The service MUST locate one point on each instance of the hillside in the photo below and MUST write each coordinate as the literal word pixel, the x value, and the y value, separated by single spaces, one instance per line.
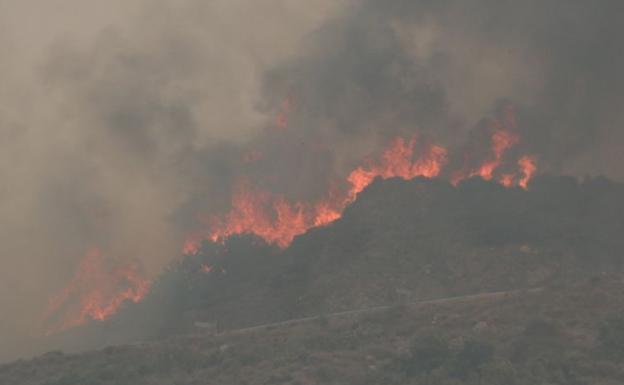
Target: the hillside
pixel 399 242
pixel 562 335
pixel 420 239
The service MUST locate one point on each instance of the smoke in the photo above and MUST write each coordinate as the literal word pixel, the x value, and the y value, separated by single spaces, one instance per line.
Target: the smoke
pixel 438 67
pixel 112 117
pixel 126 124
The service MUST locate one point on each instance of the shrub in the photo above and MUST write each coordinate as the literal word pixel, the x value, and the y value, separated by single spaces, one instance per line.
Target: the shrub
pixel 426 354
pixel 472 357
pixel 611 337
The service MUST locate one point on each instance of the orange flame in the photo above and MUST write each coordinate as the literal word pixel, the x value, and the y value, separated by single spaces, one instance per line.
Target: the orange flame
pixel 95 293
pixel 278 221
pixel 501 141
pixel 528 166
pixel 396 161
pixel 326 214
pixel 270 217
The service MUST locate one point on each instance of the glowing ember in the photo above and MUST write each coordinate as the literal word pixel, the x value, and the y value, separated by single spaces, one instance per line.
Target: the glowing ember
pixel 95 293
pixel 205 269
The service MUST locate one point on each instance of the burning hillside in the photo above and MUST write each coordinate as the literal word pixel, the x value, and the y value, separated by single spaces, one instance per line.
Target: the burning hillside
pixel 155 155
pixel 423 236
pixel 277 220
pixel 95 294
pixel 97 290
pixel 437 240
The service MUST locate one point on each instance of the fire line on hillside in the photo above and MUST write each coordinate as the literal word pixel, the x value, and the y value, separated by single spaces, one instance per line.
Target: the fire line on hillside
pixel 97 292
pixel 278 221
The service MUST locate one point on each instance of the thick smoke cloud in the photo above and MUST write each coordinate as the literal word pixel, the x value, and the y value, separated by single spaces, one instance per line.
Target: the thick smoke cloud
pixel 124 126
pixel 440 66
pixel 112 116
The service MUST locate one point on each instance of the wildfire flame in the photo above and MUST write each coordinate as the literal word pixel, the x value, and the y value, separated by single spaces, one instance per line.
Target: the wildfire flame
pixel 278 221
pixel 396 161
pixel 270 217
pixel 501 141
pixel 528 165
pixel 95 293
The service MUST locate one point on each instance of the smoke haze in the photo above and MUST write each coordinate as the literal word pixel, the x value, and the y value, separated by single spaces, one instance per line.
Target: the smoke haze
pixel 124 124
